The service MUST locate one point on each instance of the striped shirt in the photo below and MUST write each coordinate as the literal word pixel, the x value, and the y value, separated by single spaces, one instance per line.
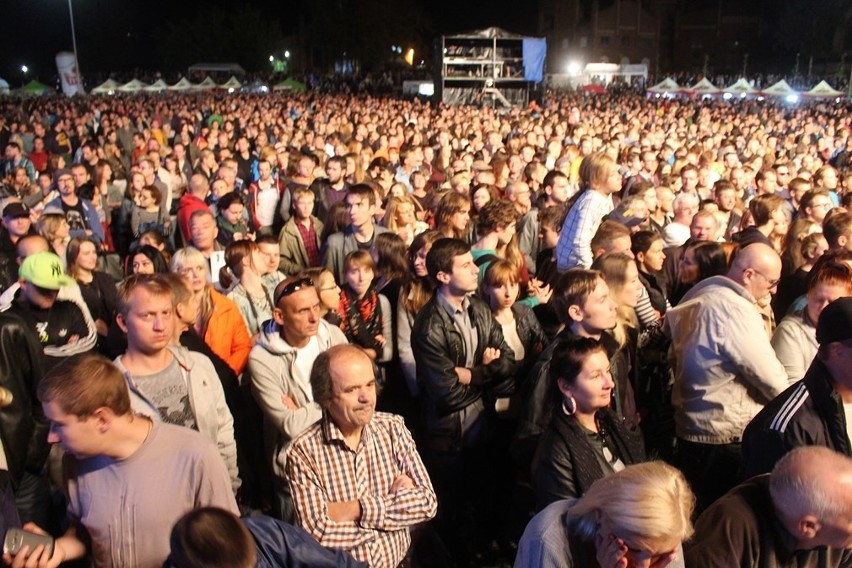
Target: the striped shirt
pixel 322 469
pixel 574 248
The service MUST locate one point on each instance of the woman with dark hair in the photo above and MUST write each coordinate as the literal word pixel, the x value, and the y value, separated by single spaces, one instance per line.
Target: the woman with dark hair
pixel 98 289
pixel 146 260
pixel 452 217
pixel 586 440
pixel 701 260
pixel 647 248
pixel 389 254
pixel 415 293
pixel 328 292
pixel 245 262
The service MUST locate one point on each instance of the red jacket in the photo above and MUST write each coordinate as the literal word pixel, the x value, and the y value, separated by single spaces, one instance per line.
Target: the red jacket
pixel 188 205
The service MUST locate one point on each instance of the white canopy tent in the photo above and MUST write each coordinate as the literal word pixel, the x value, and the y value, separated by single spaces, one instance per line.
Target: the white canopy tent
pixel 667 85
pixel 231 83
pixel 4 86
pixel 133 86
pixel 702 87
pixel 182 85
pixel 157 86
pixel 207 83
pixel 741 87
pixel 823 89
pixel 780 89
pixel 108 87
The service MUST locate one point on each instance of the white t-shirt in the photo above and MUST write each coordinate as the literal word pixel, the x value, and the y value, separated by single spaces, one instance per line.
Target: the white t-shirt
pixel 305 358
pixel 267 202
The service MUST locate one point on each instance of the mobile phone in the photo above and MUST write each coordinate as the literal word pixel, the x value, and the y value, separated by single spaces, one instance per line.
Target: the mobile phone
pixel 16 539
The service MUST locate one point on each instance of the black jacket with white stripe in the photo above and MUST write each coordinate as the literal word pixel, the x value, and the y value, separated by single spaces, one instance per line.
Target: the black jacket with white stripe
pixel 809 413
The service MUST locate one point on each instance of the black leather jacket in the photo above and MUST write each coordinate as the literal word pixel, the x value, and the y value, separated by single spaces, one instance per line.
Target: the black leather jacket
pixel 438 349
pixel 23 425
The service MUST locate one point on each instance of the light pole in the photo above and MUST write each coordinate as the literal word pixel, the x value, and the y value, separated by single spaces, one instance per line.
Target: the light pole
pixel 74 42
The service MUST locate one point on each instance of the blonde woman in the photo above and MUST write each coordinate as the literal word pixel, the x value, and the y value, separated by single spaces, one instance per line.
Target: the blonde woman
pixel 639 516
pixel 53 226
pixel 219 320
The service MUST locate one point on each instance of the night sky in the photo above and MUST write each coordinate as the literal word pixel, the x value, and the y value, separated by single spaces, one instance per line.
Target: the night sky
pixel 117 34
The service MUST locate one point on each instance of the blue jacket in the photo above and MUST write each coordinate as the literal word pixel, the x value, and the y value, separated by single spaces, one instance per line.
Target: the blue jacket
pixel 93 222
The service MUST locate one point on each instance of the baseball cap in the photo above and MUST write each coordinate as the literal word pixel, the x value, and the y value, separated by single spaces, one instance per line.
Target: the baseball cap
pixel 835 322
pixel 623 215
pixel 15 210
pixel 44 269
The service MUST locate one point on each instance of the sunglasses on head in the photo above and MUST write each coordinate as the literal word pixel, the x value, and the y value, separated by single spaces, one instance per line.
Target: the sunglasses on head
pixel 292 287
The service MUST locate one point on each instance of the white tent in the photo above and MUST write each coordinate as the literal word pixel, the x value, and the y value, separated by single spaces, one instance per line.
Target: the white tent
pixel 207 83
pixel 108 87
pixel 4 86
pixel 823 89
pixel 157 86
pixel 182 85
pixel 132 87
pixel 780 89
pixel 702 87
pixel 741 87
pixel 231 83
pixel 667 85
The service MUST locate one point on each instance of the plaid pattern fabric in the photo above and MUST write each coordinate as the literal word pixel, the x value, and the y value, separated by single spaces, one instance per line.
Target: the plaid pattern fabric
pixel 322 469
pixel 309 238
pixel 574 248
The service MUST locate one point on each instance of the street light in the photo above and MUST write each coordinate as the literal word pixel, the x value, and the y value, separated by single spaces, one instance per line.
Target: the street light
pixel 287 54
pixel 271 58
pixel 25 69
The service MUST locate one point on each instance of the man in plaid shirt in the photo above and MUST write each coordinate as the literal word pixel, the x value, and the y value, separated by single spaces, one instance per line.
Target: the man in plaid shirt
pixel 357 480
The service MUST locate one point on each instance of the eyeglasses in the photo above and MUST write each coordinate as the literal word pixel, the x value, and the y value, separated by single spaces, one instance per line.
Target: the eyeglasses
pixel 772 283
pixel 820 205
pixel 292 287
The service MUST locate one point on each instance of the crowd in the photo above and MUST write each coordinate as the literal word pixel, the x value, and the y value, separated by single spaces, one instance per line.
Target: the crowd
pixel 597 331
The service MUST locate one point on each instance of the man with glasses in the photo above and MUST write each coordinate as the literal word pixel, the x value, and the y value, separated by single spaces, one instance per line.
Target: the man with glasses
pixel 725 368
pixel 814 206
pixel 280 364
pixel 80 213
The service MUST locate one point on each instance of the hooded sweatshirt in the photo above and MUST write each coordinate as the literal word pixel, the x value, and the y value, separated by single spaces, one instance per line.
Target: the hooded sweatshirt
pixel 274 374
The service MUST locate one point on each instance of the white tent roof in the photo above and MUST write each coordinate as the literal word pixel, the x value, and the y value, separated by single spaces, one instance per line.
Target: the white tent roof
pixel 182 85
pixel 132 86
pixel 231 83
pixel 207 83
pixel 106 87
pixel 157 86
pixel 780 89
pixel 4 85
pixel 667 85
pixel 703 87
pixel 742 86
pixel 823 89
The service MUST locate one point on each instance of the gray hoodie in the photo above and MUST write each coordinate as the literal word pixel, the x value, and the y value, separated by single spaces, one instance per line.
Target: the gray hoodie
pixel 274 374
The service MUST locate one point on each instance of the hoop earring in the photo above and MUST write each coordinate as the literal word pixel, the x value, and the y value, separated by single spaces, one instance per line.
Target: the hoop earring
pixel 569 405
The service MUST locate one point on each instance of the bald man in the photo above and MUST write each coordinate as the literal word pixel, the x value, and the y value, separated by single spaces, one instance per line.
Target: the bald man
pixel 725 368
pixel 797 516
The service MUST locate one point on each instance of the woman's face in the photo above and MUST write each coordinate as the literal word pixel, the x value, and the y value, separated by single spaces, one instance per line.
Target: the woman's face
pixel 63 231
pixel 460 219
pixel 480 198
pixel 397 190
pixel 329 291
pixel 420 263
pixel 781 222
pixel 87 259
pixel 592 389
pixel 822 295
pixel 359 279
pixel 258 261
pixel 632 287
pixel 138 182
pixel 654 257
pixel 688 268
pixel 142 264
pixel 503 296
pixel 405 214
pixel 195 276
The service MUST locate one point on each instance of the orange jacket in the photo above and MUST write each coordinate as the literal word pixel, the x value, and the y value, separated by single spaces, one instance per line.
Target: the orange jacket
pixel 226 334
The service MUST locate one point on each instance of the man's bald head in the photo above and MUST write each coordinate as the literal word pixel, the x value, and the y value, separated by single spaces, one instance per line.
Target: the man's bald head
pixel 757 268
pixel 31 244
pixel 811 489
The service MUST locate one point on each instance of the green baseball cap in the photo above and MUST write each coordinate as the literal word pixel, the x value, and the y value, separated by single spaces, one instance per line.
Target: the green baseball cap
pixel 44 269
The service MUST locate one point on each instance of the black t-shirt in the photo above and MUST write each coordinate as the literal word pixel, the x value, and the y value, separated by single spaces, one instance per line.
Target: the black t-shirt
pixel 75 215
pixel 63 324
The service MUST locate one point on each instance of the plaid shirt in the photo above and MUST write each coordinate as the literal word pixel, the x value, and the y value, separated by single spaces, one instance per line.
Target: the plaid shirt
pixel 321 468
pixel 574 248
pixel 309 238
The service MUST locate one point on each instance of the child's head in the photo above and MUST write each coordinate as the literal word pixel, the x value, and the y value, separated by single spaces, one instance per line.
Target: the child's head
pixel 550 224
pixel 359 270
pixel 150 196
pixel 303 202
pixel 231 207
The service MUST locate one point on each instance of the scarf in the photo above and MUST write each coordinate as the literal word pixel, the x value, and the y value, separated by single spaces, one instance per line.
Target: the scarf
pixel 361 320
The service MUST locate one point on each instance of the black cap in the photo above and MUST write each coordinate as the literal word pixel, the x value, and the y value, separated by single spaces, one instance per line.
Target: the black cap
pixel 15 210
pixel 835 322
